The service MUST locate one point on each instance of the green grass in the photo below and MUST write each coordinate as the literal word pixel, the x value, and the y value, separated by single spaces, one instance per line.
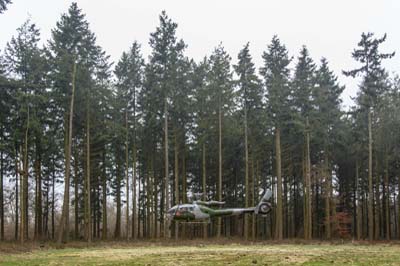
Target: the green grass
pixel 232 254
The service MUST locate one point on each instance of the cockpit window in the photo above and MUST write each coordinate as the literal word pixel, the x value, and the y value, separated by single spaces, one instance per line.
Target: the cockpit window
pixel 185 208
pixel 172 210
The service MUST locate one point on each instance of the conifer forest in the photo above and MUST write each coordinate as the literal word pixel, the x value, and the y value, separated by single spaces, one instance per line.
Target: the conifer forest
pixel 93 150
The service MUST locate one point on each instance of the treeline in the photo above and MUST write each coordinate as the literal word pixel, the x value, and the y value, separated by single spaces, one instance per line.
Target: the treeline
pixel 91 151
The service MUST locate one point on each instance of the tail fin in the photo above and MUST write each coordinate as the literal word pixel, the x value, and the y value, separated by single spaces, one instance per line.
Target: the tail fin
pixel 267 196
pixel 264 207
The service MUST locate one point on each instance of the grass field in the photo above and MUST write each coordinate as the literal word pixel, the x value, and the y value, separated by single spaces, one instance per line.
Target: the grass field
pixel 208 254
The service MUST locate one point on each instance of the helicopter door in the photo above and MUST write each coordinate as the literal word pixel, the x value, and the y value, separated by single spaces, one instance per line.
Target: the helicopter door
pixel 199 214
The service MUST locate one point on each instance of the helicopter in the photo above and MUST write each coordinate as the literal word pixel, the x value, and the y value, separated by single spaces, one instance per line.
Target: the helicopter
pixel 200 211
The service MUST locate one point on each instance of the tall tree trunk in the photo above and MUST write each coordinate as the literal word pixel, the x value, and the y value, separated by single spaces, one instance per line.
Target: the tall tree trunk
pixel 219 193
pixel 167 223
pixel 88 223
pixel 93 211
pixel 21 199
pixel 305 216
pixel 184 185
pixel 64 222
pixel 259 184
pixel 334 220
pixel 370 187
pixel 398 208
pixel 365 213
pixel 316 216
pixel 296 208
pixel 148 199
pixel 24 187
pixel 76 192
pixel 53 199
pixel 394 215
pixel 358 205
pixel 253 188
pixel 143 232
pixel 386 199
pixel 140 211
pixel 246 178
pixel 308 223
pixel 16 193
pixel 46 211
pixel 328 185
pixel 38 203
pixel 377 206
pixel 273 212
pixel 98 208
pixel 184 180
pixel 155 209
pixel 162 202
pixel 292 195
pixel 104 203
pixel 151 197
pixel 176 183
pixel 278 222
pixel 134 204
pixel 204 184
pixel 126 174
pixel 1 191
pixel 117 232
pixel 154 198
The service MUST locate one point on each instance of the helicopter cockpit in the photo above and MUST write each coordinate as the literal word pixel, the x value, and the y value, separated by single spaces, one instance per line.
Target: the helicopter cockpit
pixel 181 212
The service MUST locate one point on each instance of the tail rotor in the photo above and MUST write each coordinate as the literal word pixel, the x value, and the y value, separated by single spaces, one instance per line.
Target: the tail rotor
pixel 264 207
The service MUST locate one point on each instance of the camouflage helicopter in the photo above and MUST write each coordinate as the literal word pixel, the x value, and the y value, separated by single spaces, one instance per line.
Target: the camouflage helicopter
pixel 204 211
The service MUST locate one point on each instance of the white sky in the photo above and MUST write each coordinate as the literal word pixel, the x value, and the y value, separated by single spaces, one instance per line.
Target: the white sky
pixel 329 28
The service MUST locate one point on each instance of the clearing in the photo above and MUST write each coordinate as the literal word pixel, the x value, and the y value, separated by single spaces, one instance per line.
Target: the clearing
pixel 209 254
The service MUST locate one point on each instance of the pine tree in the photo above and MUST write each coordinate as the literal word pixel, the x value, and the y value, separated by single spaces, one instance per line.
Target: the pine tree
pixel 251 100
pixel 167 53
pixel 372 72
pixel 24 59
pixel 10 129
pixel 303 85
pixel 72 51
pixel 202 120
pixel 5 97
pixel 221 92
pixel 276 76
pixel 3 5
pixel 327 102
pixel 129 71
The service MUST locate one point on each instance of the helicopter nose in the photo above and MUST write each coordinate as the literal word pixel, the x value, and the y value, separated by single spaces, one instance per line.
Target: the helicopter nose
pixel 171 214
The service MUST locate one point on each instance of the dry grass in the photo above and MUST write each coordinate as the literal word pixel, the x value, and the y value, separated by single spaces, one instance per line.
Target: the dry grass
pixel 195 253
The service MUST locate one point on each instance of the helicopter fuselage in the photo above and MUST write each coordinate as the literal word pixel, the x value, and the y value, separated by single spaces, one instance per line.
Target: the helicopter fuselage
pixel 196 212
pixel 200 210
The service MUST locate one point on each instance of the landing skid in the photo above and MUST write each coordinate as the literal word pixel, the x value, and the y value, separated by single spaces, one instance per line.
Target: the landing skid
pixel 194 222
pixel 191 222
pixel 184 223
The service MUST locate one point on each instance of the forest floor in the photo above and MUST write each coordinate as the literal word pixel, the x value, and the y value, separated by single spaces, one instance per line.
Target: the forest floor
pixel 194 253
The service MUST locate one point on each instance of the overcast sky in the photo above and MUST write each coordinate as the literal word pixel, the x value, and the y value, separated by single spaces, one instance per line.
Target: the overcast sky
pixel 328 28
